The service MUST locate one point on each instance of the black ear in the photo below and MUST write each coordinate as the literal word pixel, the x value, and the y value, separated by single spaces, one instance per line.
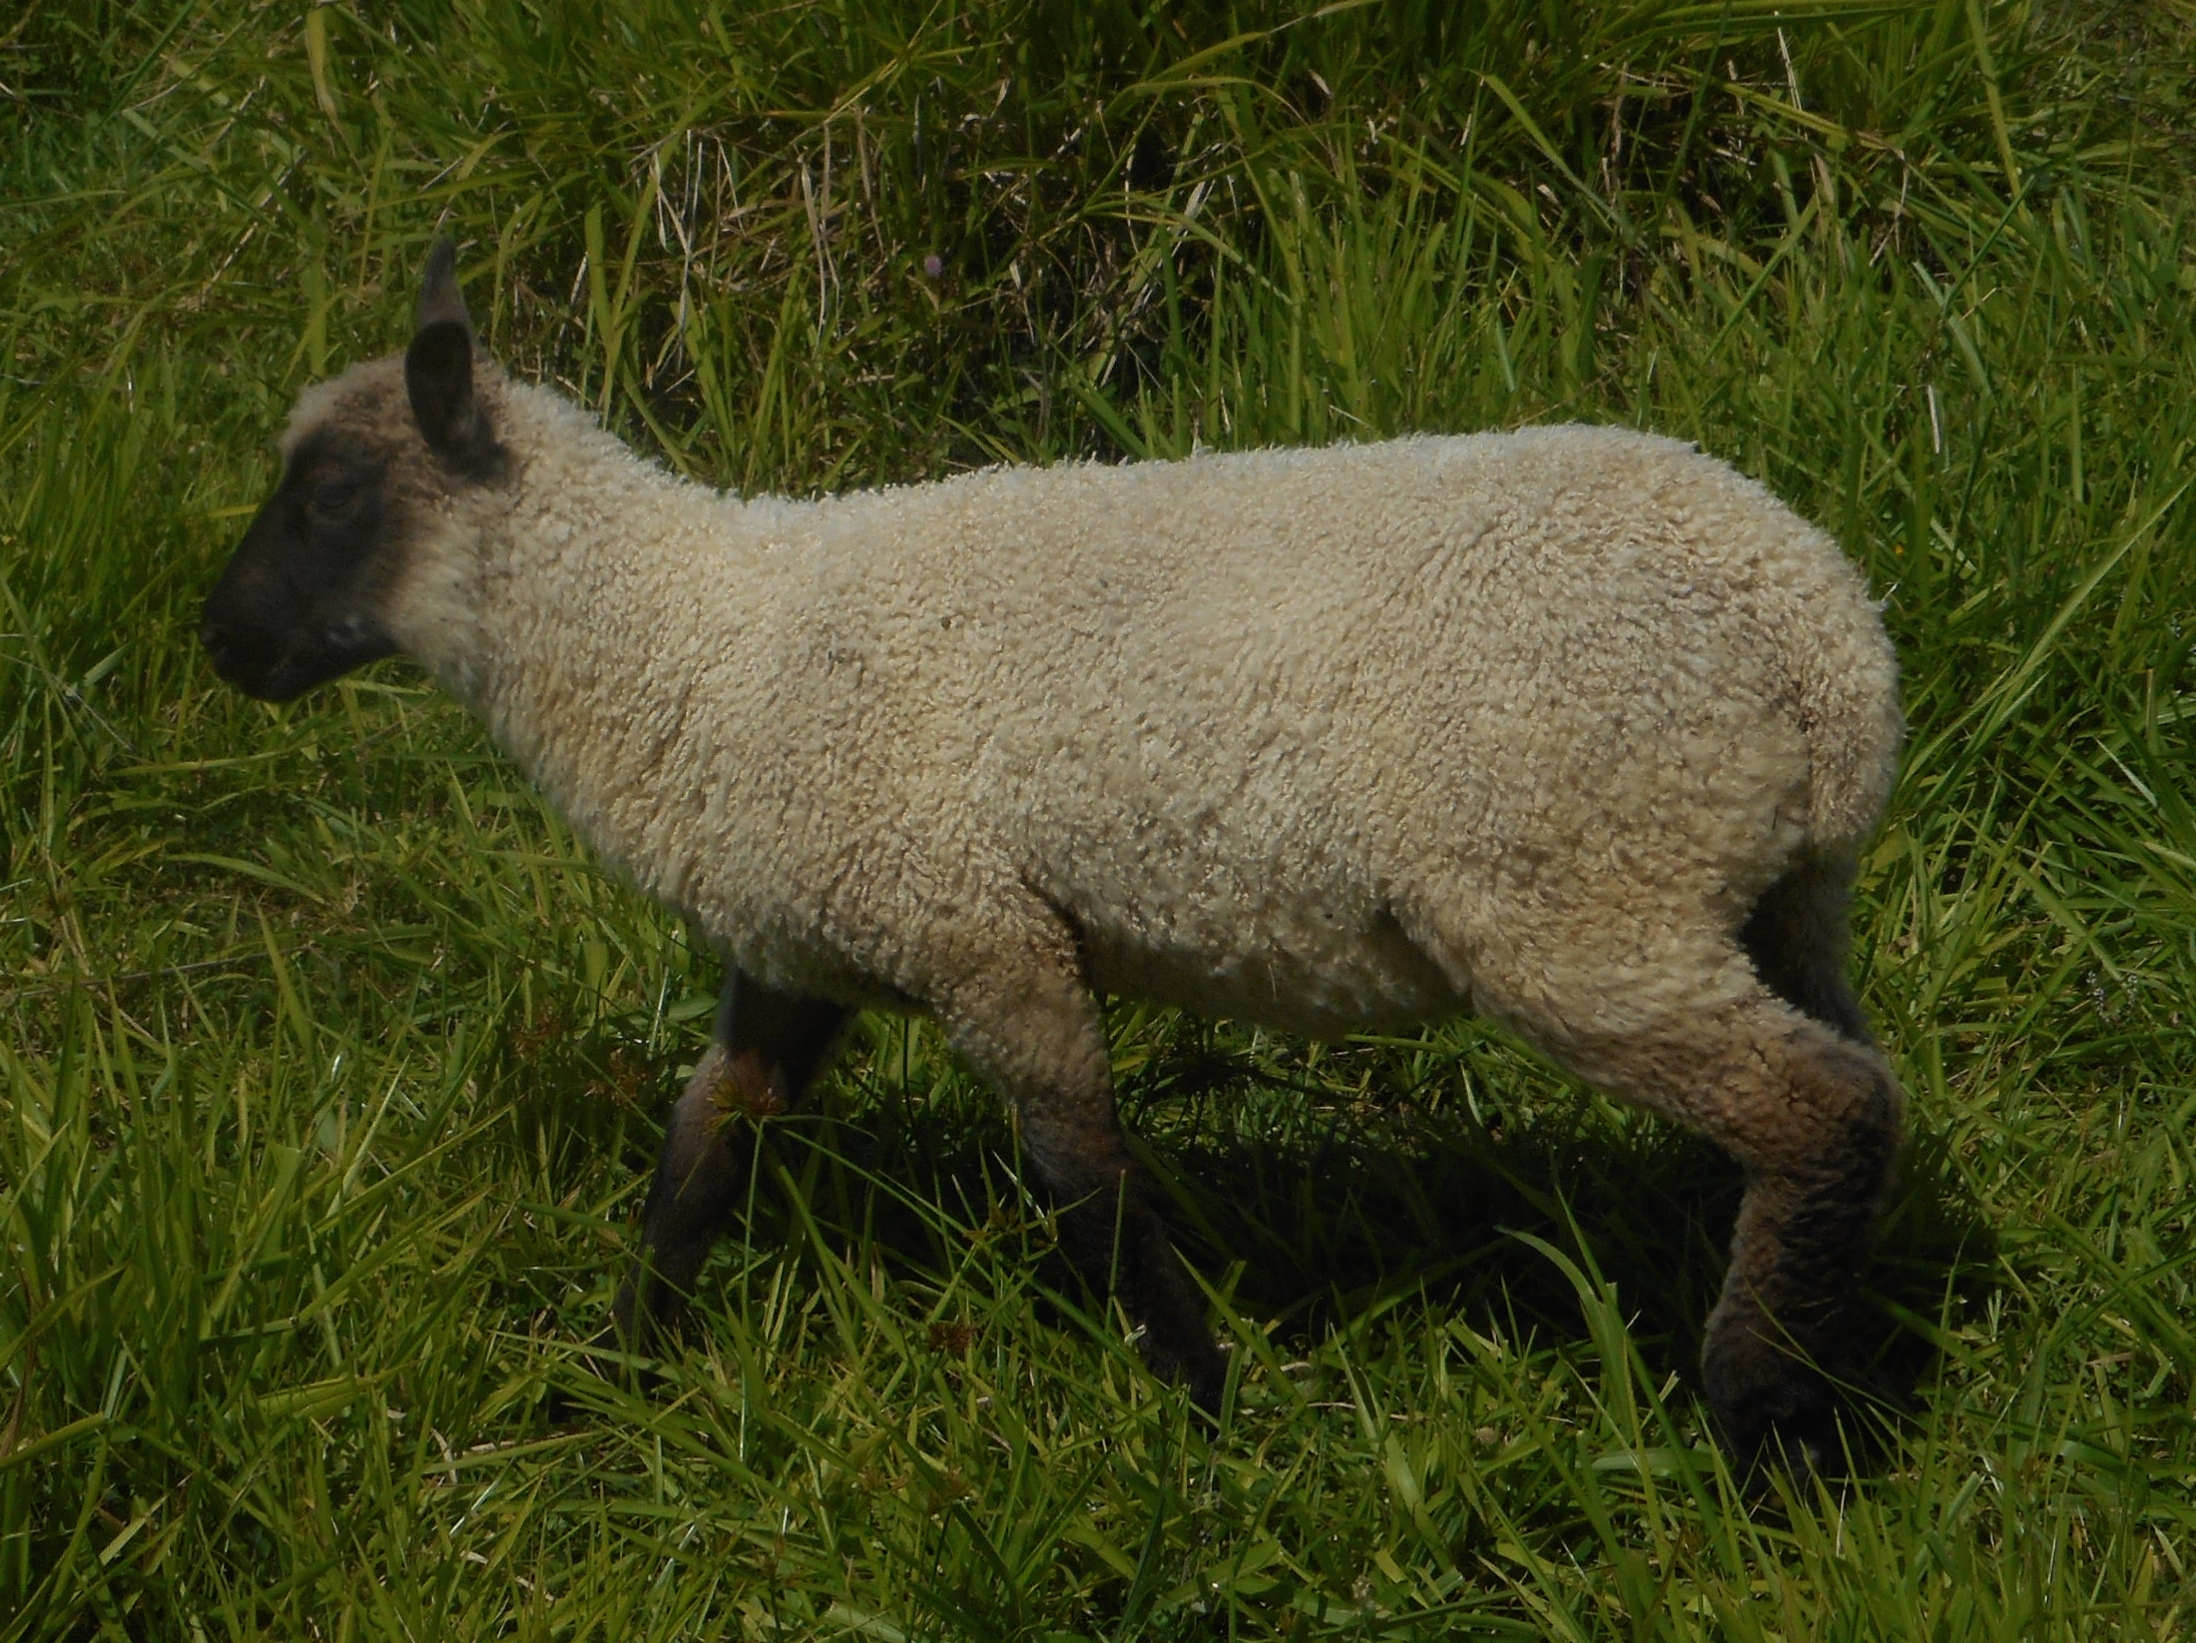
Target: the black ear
pixel 438 378
pixel 438 372
pixel 439 296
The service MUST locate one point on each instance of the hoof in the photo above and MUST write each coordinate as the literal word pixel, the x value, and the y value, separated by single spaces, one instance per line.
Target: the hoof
pixel 1207 1385
pixel 1201 1371
pixel 613 1357
pixel 1780 1424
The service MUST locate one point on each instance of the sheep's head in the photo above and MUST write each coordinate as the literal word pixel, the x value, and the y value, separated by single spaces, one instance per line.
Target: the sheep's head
pixel 365 459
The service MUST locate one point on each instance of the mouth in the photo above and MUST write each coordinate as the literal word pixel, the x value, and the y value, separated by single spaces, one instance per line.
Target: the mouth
pixel 282 675
pixel 234 664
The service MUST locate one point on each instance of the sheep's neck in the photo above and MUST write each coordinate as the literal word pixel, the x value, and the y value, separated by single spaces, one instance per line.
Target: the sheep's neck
pixel 598 617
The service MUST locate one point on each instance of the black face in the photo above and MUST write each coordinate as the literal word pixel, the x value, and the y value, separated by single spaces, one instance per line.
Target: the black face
pixel 298 604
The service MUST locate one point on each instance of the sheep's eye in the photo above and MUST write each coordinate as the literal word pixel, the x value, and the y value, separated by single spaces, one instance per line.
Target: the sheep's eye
pixel 332 502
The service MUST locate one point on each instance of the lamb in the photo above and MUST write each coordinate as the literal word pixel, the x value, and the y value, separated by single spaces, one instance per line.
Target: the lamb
pixel 1573 727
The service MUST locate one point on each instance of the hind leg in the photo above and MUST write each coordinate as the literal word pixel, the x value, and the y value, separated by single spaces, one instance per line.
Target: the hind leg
pixel 1797 937
pixel 1815 1119
pixel 767 1048
pixel 1680 1020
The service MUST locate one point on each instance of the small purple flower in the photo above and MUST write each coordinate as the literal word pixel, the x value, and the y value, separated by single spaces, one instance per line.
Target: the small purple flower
pixel 934 265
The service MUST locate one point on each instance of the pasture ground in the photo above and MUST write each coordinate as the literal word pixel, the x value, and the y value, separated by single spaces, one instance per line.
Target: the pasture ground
pixel 330 1070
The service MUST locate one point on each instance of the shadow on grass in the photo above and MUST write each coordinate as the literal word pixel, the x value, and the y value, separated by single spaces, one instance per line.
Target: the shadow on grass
pixel 1314 1209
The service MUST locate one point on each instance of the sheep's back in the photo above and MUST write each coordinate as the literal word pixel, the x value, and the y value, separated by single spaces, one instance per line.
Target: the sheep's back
pixel 1238 716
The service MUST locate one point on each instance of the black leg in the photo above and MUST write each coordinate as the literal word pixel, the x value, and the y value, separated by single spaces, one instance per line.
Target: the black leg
pixel 767 1049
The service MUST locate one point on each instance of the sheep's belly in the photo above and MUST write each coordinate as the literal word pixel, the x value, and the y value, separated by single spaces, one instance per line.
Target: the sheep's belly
pixel 1321 981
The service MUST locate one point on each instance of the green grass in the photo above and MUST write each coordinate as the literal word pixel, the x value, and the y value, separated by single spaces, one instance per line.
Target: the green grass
pixel 331 1067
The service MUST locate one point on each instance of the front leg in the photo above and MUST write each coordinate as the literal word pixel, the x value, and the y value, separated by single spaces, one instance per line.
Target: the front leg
pixel 1028 1024
pixel 767 1048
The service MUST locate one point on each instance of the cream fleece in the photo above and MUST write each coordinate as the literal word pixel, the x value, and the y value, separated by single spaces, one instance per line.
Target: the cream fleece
pixel 1327 739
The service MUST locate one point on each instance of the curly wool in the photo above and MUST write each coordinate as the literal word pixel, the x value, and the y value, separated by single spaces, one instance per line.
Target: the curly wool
pixel 1326 739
